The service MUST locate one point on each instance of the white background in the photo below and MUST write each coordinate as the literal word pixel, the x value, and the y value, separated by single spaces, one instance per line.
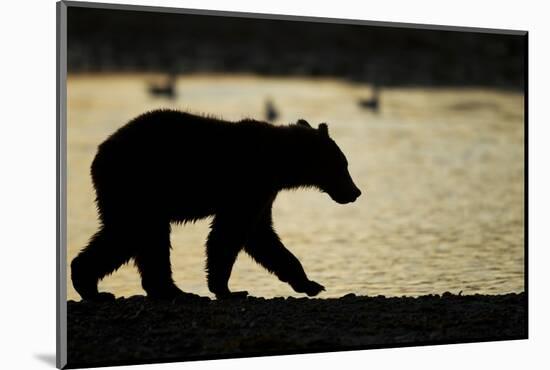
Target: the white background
pixel 27 182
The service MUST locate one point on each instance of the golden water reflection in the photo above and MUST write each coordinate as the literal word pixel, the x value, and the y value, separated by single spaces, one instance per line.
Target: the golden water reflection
pixel 441 170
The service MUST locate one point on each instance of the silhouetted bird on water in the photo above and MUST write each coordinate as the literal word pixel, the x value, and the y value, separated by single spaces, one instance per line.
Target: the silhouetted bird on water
pixel 373 103
pixel 167 89
pixel 271 113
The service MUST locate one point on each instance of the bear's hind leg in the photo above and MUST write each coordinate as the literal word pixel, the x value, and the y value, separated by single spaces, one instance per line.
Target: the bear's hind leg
pixel 153 261
pixel 104 254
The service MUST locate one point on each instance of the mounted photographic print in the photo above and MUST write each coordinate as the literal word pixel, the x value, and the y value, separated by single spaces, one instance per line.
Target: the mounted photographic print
pixel 235 185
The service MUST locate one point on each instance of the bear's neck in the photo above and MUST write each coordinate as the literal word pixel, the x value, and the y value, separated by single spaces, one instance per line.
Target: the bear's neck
pixel 290 165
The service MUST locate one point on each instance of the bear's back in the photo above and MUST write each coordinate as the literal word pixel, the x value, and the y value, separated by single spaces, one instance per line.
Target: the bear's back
pixel 167 148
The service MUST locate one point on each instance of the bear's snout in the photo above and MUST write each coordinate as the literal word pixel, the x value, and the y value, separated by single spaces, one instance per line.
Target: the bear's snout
pixel 357 194
pixel 354 194
pixel 345 197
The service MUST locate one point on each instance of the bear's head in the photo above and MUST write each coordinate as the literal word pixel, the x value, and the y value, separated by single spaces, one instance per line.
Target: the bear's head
pixel 328 166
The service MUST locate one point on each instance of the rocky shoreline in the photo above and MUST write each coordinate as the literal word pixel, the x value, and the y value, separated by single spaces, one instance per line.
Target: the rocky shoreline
pixel 139 330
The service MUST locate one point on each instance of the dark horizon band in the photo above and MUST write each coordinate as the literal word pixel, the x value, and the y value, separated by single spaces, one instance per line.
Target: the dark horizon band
pixel 286 17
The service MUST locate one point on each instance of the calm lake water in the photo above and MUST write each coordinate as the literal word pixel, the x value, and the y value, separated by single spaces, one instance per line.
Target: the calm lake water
pixel 441 170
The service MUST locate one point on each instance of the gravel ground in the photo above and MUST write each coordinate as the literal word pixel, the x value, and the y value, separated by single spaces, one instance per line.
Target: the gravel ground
pixel 138 330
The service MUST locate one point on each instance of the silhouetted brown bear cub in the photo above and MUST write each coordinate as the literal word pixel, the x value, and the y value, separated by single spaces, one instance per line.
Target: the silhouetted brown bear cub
pixel 168 166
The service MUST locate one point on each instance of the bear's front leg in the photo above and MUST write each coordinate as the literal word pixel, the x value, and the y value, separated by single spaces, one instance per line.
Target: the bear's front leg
pixel 266 248
pixel 222 247
pixel 309 287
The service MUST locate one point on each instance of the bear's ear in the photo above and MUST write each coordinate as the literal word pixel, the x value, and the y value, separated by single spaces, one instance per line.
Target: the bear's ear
pixel 303 122
pixel 323 129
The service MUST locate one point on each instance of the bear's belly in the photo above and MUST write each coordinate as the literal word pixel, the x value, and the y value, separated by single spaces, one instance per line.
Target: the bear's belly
pixel 187 209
